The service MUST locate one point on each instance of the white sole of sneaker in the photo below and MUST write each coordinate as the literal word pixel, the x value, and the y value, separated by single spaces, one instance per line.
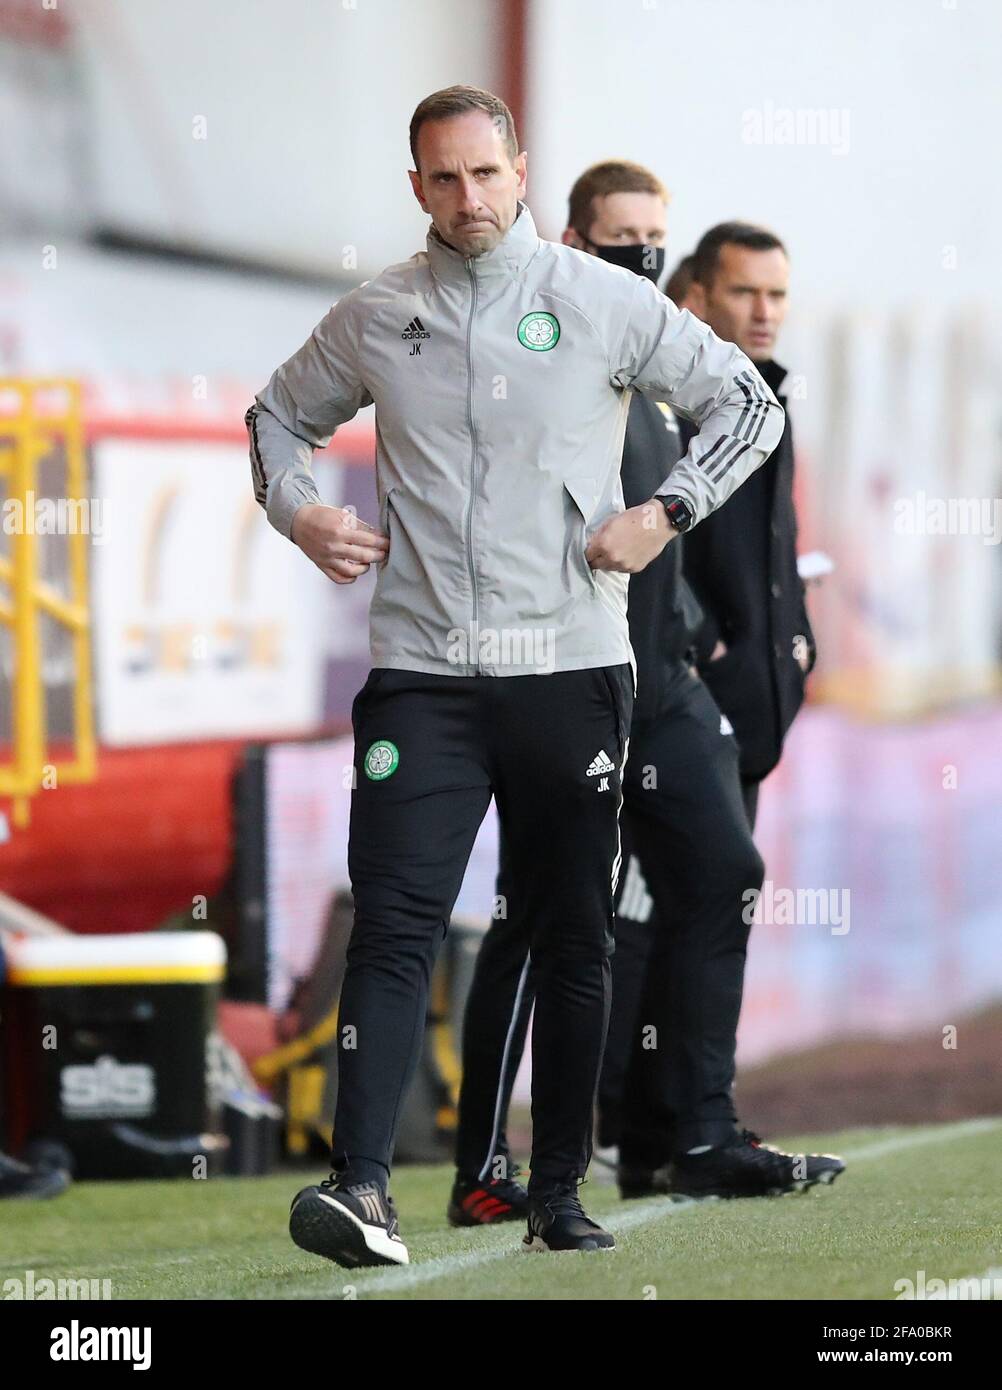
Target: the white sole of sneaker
pixel 323 1226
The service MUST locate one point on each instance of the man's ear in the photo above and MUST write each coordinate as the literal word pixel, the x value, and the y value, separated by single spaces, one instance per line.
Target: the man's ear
pixel 521 168
pixel 695 300
pixel 415 179
pixel 572 238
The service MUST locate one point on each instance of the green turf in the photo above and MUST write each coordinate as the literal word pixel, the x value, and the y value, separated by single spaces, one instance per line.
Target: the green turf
pixel 930 1204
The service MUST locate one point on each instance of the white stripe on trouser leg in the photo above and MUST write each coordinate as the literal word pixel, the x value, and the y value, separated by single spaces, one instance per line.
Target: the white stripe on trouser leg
pixel 499 1097
pixel 619 838
pixel 622 774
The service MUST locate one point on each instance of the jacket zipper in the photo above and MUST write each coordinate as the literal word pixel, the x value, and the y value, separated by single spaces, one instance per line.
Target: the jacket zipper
pixel 473 463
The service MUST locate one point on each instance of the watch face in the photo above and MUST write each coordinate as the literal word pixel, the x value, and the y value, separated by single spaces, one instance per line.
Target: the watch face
pixel 678 513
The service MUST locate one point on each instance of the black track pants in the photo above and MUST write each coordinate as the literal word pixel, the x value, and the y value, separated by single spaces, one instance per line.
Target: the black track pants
pixel 429 752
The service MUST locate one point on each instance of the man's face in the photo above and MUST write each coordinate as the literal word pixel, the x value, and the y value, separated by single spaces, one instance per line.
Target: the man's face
pixel 746 304
pixel 623 219
pixel 466 182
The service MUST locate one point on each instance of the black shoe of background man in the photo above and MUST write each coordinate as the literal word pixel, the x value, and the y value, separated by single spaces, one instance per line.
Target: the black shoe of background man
pixel 477 1203
pixel 745 1167
pixel 557 1221
pixel 20 1180
pixel 639 1181
pixel 351 1224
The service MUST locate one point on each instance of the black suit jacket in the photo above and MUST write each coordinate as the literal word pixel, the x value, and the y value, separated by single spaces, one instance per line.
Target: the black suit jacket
pixel 742 563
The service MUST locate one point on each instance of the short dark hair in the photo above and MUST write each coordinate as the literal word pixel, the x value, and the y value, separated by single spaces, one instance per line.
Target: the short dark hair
pixel 706 256
pixel 680 280
pixel 456 101
pixel 611 176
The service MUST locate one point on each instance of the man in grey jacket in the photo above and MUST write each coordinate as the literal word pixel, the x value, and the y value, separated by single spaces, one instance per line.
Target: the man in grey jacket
pixel 501 368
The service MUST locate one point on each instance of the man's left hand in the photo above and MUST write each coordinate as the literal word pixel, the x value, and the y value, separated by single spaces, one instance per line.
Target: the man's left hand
pixel 629 542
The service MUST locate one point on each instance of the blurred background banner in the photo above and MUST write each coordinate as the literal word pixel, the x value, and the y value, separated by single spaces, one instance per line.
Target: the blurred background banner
pixel 184 192
pixel 203 626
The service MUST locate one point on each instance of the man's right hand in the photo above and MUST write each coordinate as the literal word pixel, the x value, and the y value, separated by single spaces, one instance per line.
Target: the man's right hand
pixel 337 541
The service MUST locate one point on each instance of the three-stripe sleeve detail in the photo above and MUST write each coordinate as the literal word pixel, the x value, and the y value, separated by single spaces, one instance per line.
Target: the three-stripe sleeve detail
pixel 257 466
pixel 728 449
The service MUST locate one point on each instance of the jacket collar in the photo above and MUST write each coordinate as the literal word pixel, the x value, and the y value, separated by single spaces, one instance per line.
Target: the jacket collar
pixel 509 258
pixel 773 373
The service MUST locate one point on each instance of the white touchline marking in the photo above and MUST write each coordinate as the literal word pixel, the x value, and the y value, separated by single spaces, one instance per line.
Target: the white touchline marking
pixel 405 1278
pixel 962 1130
pixel 640 1215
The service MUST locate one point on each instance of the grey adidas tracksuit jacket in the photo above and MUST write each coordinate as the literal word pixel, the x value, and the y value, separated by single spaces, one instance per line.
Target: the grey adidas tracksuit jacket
pixel 499 442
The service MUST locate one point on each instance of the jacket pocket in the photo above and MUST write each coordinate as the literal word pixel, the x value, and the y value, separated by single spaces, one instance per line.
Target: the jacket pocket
pixel 365 694
pixel 384 520
pixel 583 494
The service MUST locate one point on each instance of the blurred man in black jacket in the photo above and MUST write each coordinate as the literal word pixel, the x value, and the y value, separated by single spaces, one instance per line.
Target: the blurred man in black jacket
pixel 757 645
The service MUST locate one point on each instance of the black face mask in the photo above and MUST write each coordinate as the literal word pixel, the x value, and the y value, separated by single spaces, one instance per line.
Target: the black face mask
pixel 643 260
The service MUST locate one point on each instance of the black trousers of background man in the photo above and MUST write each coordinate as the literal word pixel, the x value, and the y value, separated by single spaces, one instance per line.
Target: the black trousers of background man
pixel 684 819
pixel 536 743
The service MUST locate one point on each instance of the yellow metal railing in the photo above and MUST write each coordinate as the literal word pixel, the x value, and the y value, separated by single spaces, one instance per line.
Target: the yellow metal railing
pixel 38 416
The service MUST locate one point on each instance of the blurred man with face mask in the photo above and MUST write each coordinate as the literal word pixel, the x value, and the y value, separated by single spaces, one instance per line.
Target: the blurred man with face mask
pixel 688 859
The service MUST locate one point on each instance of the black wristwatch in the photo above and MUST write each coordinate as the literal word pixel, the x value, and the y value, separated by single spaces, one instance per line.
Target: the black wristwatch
pixel 678 511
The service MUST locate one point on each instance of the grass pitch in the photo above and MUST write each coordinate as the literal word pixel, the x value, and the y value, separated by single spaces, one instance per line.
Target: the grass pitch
pixel 910 1199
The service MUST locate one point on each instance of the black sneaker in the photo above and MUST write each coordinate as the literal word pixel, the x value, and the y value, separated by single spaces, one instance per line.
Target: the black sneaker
pixel 748 1168
pixel 557 1221
pixel 641 1182
pixel 351 1225
pixel 476 1203
pixel 20 1180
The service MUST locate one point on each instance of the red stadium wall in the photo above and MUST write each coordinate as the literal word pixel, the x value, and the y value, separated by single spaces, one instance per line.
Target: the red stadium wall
pixel 125 851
